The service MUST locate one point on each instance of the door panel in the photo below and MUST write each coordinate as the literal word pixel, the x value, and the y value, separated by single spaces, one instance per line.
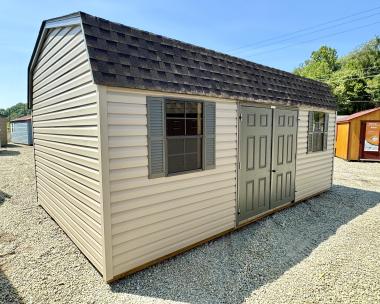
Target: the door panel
pixel 254 173
pixel 284 152
pixel 267 159
pixel 369 140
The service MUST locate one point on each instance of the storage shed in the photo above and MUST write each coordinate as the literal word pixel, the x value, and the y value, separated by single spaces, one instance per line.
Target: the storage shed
pixel 146 146
pixel 3 131
pixel 357 136
pixel 21 130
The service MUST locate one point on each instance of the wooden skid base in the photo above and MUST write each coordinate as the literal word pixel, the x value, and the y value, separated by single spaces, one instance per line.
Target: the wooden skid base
pixel 262 215
pixel 170 255
pixel 239 226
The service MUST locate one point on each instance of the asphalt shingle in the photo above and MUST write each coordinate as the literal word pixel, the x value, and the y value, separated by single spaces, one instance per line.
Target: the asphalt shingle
pixel 122 56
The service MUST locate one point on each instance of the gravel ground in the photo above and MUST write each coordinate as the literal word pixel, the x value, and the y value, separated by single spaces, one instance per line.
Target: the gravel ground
pixel 325 250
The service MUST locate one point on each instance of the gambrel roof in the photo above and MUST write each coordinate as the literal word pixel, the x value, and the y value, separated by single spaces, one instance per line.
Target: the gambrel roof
pixel 123 56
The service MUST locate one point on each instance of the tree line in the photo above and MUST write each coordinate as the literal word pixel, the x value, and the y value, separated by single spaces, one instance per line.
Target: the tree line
pixel 16 111
pixel 354 78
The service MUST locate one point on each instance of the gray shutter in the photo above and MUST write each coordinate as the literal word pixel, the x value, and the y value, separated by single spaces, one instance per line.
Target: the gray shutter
pixel 209 135
pixel 310 132
pixel 325 131
pixel 156 136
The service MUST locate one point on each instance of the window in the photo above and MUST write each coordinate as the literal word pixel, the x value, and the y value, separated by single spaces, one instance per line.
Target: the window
pixel 317 131
pixel 181 136
pixel 184 133
pixel 318 127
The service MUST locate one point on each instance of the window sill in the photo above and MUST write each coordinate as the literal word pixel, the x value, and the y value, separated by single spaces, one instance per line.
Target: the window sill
pixel 183 172
pixel 323 151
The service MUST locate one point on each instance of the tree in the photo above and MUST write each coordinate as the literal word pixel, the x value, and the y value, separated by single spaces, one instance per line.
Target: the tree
pixel 358 78
pixel 353 78
pixel 321 65
pixel 18 110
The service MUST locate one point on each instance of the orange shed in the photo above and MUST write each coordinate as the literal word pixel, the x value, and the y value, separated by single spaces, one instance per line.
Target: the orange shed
pixel 357 136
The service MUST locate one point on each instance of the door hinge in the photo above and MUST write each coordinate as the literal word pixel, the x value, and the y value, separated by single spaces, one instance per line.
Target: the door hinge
pixel 240 116
pixel 239 211
pixel 239 165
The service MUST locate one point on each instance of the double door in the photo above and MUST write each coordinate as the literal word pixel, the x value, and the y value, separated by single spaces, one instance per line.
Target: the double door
pixel 267 151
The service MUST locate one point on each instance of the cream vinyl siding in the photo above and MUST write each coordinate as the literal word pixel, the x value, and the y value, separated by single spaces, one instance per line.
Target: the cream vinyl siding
pixel 66 139
pixel 151 218
pixel 313 170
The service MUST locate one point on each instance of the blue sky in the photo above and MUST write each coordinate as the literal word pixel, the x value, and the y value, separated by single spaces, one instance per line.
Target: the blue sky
pixel 220 25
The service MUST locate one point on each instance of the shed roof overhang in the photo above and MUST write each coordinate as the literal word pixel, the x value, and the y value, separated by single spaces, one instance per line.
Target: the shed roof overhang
pixel 356 115
pixel 22 118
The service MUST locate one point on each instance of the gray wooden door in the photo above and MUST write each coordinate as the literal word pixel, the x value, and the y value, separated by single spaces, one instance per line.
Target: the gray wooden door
pixel 283 156
pixel 267 159
pixel 255 161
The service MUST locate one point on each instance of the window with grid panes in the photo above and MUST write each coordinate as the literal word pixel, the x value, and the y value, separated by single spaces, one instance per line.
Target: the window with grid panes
pixel 184 133
pixel 317 132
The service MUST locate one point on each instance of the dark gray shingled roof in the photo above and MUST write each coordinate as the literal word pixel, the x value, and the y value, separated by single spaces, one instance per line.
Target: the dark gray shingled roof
pixel 122 56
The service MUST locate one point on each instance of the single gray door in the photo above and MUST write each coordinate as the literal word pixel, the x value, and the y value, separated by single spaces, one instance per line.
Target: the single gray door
pixel 267 159
pixel 283 156
pixel 255 161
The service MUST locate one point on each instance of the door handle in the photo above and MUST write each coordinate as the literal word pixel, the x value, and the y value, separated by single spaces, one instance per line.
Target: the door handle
pixel 273 171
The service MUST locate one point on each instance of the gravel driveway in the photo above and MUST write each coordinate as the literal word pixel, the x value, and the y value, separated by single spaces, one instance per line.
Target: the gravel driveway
pixel 325 250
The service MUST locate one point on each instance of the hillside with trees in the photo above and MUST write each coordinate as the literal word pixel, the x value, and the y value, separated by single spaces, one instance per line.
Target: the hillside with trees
pixel 353 78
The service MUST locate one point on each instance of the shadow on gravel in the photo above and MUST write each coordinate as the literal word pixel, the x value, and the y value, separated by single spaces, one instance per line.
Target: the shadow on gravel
pixel 8 293
pixel 3 196
pixel 4 152
pixel 229 269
